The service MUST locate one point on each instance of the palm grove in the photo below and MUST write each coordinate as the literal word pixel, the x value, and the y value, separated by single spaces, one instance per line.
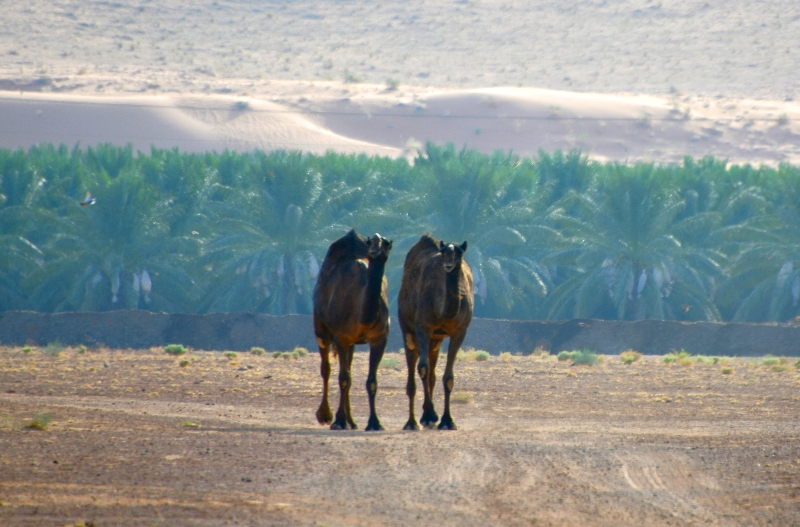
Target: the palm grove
pixel 554 237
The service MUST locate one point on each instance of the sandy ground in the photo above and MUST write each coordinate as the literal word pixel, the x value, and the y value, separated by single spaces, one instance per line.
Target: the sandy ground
pixel 136 439
pixel 623 81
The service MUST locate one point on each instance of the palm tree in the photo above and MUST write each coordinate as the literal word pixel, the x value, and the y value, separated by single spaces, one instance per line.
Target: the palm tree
pixel 105 255
pixel 490 201
pixel 271 231
pixel 623 255
pixel 765 271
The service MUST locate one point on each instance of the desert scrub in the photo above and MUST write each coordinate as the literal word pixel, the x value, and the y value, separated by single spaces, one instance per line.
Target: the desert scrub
pixel 276 354
pixel 230 355
pixel 629 356
pixel 255 350
pixel 506 356
pixel 461 397
pixel 773 361
pixel 190 424
pixel 26 350
pixel 184 363
pixel 286 355
pixel 681 357
pixel 53 348
pixel 300 351
pixel 175 349
pixel 390 362
pixel 472 355
pixel 797 364
pixel 583 356
pixel 727 370
pixel 39 421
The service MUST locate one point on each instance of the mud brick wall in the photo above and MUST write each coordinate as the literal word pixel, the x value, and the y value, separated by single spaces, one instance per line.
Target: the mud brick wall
pixel 241 331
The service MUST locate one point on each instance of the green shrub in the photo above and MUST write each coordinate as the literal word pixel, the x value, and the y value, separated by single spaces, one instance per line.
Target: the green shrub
pixel 54 348
pixel 257 351
pixel 27 349
pixel 276 354
pixel 727 370
pixel 565 355
pixel 231 354
pixel 81 349
pixel 629 356
pixel 706 360
pixel 175 349
pixel 797 364
pixel 780 367
pixel 586 357
pixel 288 355
pixel 583 356
pixel 300 351
pixel 390 362
pixel 184 363
pixel 482 356
pixel 40 421
pixel 670 358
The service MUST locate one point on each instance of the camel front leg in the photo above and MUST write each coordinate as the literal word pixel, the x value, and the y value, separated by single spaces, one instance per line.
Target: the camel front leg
pixel 375 355
pixel 448 381
pixel 324 414
pixel 343 419
pixel 412 354
pixel 429 416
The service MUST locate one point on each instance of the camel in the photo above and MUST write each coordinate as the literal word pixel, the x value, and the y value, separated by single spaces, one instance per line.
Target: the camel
pixel 351 306
pixel 436 300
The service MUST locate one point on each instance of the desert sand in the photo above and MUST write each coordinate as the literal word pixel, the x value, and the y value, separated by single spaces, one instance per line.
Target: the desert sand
pixel 137 439
pixel 632 81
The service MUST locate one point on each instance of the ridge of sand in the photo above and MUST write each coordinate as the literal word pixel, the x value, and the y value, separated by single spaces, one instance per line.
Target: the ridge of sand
pixel 317 117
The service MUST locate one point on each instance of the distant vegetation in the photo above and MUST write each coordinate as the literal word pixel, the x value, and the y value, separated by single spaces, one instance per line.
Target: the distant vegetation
pixel 554 237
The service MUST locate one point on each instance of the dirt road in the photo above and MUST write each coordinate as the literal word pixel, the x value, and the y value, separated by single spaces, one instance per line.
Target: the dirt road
pixel 136 439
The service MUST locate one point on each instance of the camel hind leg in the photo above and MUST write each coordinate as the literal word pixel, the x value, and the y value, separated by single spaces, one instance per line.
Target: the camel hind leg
pixel 324 414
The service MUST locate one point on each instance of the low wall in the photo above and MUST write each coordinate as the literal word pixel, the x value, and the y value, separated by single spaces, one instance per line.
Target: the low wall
pixel 241 331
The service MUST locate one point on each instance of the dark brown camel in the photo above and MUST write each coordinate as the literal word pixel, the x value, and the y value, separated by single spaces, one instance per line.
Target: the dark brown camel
pixel 351 306
pixel 435 301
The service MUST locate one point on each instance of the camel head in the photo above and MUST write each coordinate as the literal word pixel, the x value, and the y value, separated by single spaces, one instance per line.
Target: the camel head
pixel 378 245
pixel 452 255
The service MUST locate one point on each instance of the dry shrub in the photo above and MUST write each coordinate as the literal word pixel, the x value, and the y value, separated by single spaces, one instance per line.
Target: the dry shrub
pixel 461 397
pixel 630 356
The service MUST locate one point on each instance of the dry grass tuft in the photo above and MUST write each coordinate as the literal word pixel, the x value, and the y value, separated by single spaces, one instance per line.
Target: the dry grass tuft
pixel 255 350
pixel 39 421
pixel 630 356
pixel 461 397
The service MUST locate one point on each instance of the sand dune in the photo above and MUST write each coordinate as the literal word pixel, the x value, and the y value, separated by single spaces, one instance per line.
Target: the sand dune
pixel 372 120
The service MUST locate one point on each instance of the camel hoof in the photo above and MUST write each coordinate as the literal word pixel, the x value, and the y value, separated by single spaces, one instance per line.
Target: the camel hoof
pixel 324 415
pixel 352 425
pixel 338 425
pixel 373 426
pixel 411 425
pixel 429 419
pixel 447 424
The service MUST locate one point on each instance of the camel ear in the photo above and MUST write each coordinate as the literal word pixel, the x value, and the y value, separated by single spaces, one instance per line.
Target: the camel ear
pixel 441 246
pixel 389 244
pixel 464 246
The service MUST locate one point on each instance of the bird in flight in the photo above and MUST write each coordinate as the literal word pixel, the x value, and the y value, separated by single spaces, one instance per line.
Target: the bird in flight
pixel 89 200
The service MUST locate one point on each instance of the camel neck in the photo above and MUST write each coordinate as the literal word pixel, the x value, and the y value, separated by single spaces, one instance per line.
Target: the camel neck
pixel 452 298
pixel 372 294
